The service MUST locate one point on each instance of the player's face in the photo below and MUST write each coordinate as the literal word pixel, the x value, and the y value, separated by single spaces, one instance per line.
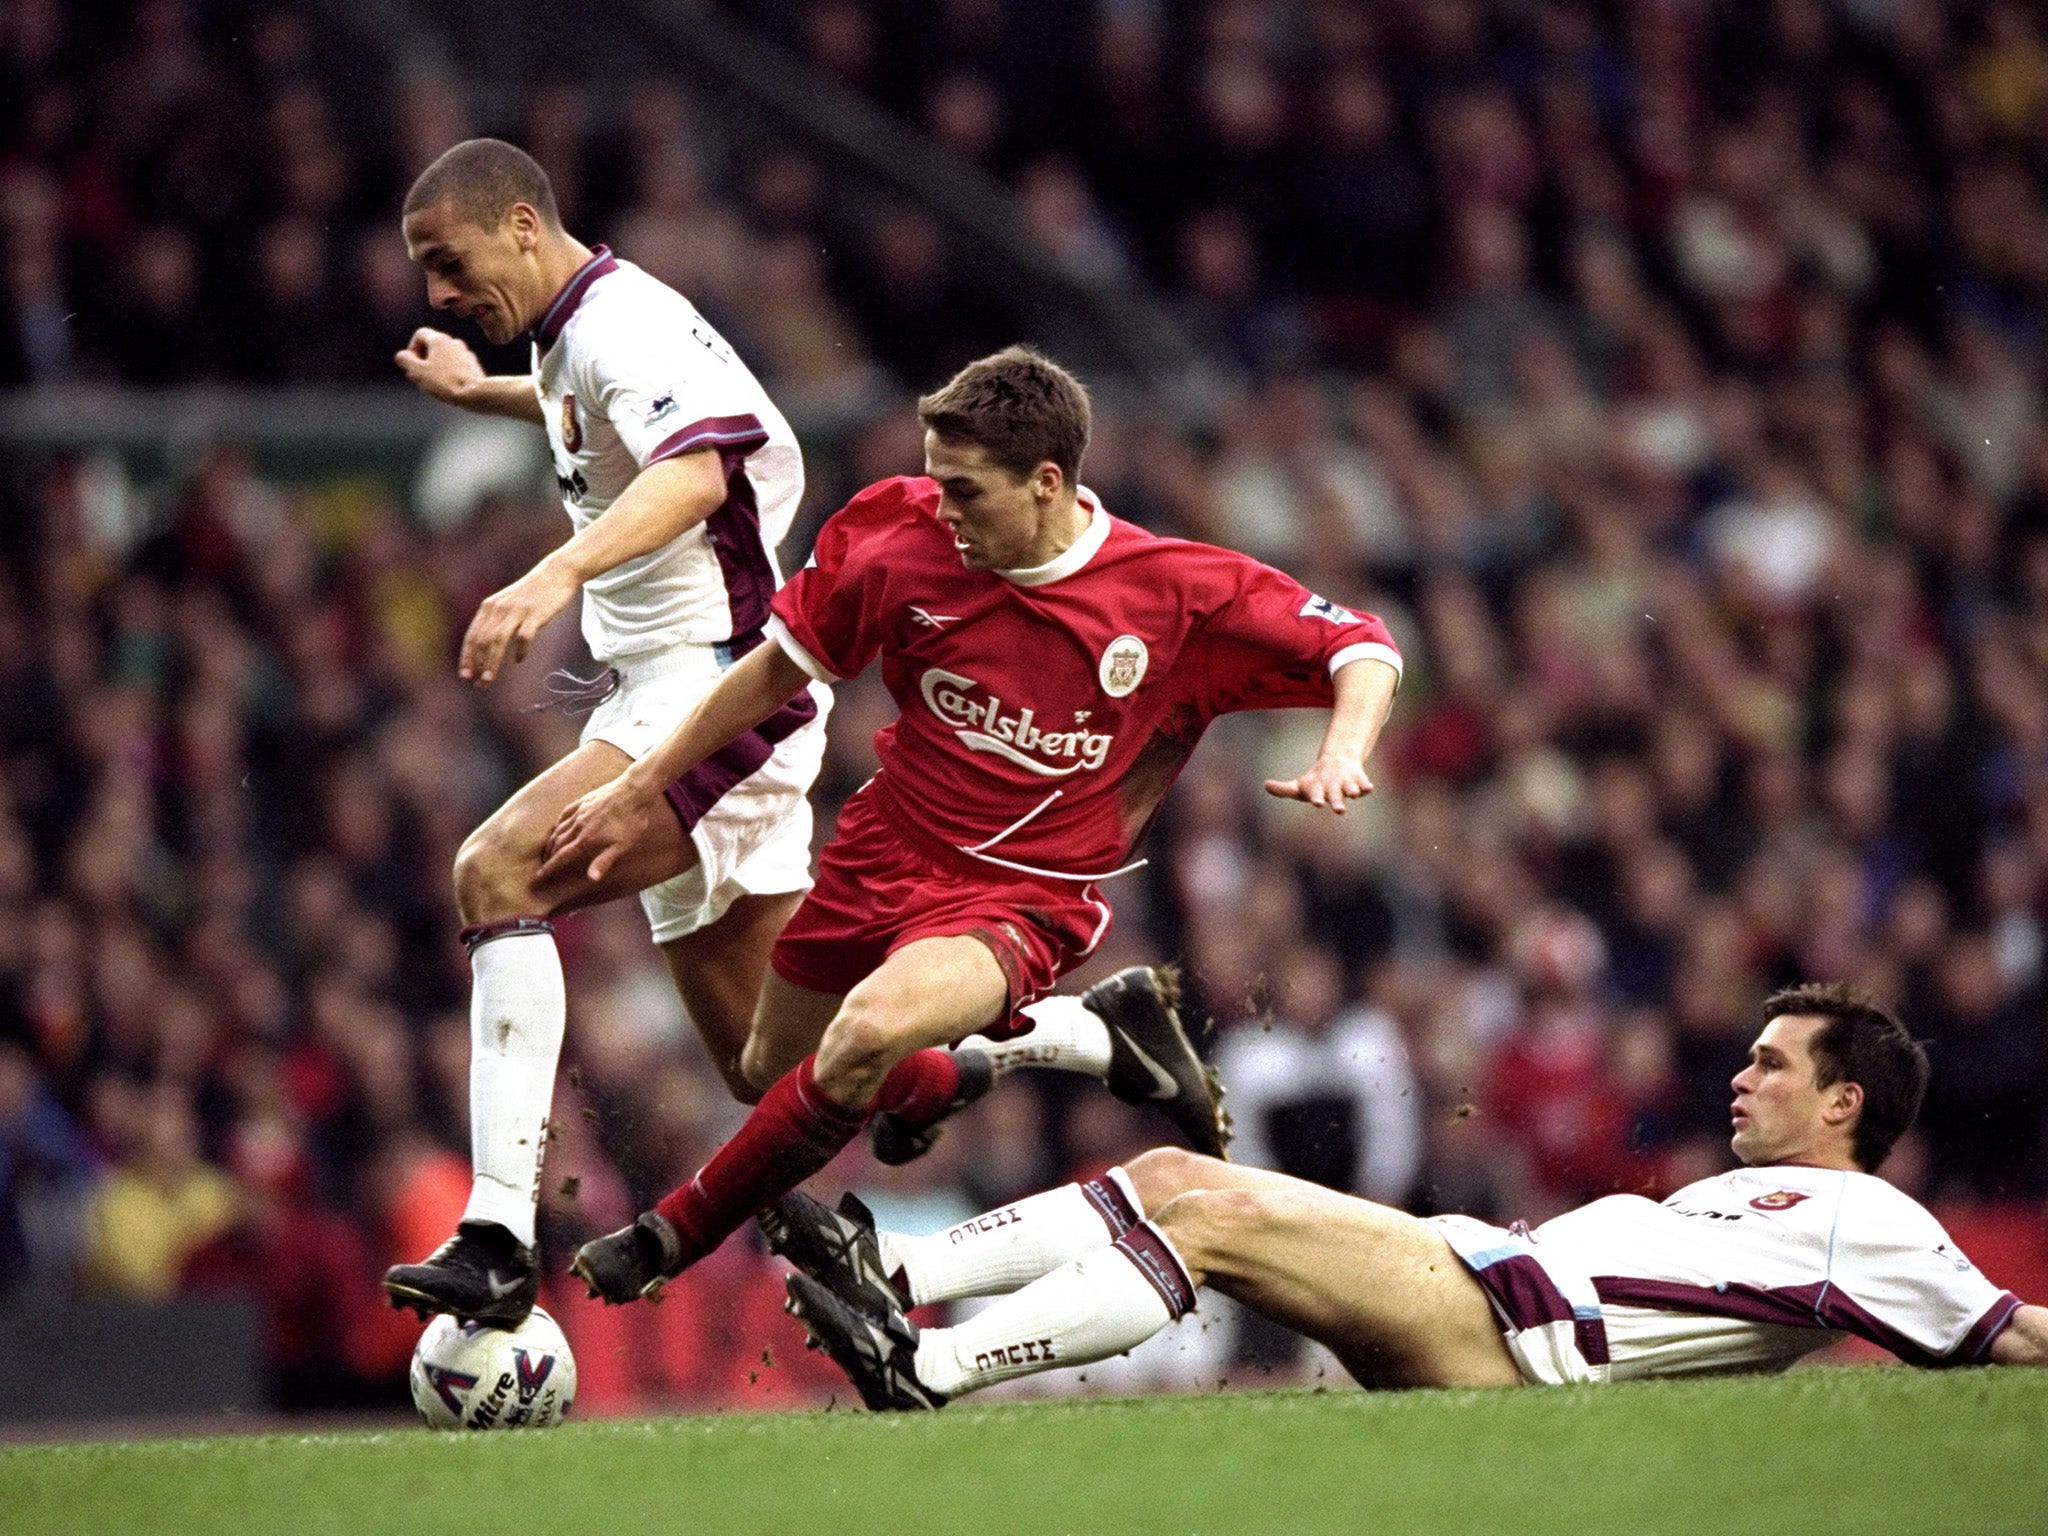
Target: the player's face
pixel 1779 1110
pixel 482 274
pixel 994 517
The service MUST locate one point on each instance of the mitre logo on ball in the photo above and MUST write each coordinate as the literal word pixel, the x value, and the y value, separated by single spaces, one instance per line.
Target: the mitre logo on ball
pixel 1123 665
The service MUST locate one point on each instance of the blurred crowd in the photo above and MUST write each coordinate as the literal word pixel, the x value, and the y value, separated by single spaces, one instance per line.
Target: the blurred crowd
pixel 1667 374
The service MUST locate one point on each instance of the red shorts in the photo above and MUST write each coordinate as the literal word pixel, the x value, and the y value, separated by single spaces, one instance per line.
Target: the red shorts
pixel 877 892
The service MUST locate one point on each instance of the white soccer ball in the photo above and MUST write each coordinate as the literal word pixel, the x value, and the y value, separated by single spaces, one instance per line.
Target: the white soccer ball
pixel 468 1376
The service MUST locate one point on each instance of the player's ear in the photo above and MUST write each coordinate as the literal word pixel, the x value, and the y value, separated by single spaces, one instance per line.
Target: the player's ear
pixel 524 222
pixel 1047 480
pixel 1845 1102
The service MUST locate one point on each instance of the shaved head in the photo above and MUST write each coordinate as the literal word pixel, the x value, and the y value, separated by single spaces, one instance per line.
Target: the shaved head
pixel 480 180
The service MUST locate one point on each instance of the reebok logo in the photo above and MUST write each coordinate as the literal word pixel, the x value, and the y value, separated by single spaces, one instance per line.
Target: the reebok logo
pixel 932 620
pixel 981 726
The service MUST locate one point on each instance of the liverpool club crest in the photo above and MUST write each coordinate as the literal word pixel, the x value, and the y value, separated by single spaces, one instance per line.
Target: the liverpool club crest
pixel 1123 665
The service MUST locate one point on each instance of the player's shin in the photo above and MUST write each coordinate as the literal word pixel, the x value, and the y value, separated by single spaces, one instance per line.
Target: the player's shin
pixel 1013 1245
pixel 1088 1309
pixel 793 1132
pixel 1064 1036
pixel 517 1014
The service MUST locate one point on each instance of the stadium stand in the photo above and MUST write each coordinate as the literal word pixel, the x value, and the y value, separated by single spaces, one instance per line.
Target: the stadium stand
pixel 1670 381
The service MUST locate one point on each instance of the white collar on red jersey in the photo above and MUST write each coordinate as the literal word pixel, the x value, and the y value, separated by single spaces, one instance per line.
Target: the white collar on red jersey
pixel 1075 555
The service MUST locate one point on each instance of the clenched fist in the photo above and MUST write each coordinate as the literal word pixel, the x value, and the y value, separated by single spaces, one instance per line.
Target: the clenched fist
pixel 441 365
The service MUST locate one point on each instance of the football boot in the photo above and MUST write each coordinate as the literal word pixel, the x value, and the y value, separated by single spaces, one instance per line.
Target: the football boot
pixel 878 1352
pixel 483 1274
pixel 1151 1059
pixel 632 1262
pixel 836 1248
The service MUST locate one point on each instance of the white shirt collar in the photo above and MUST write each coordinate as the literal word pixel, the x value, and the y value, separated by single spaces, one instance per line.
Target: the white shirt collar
pixel 1075 555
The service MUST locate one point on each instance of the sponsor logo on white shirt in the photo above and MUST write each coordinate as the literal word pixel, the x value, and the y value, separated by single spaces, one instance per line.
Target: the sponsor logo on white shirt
pixel 980 725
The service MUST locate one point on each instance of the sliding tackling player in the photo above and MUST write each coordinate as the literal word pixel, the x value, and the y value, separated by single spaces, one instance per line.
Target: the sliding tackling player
pixel 1748 1271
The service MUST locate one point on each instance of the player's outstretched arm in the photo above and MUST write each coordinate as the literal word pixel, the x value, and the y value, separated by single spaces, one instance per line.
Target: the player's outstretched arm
pixel 664 501
pixel 2024 1340
pixel 1365 693
pixel 593 832
pixel 443 366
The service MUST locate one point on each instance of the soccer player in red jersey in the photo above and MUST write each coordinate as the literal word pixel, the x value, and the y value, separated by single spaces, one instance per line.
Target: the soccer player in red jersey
pixel 1054 668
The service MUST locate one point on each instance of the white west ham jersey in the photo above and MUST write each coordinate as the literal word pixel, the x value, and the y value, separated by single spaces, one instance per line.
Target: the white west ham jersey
pixel 630 374
pixel 1752 1269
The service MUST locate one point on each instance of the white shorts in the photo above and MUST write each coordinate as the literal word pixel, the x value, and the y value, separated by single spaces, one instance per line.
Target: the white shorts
pixel 1550 1317
pixel 1559 1331
pixel 747 808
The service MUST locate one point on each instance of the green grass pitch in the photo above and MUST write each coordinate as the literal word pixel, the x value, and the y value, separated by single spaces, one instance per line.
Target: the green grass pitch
pixel 1873 1452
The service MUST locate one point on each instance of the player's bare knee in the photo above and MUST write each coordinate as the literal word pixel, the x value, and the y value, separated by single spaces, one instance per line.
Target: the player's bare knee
pixel 1206 1226
pixel 860 1046
pixel 491 882
pixel 740 1084
pixel 759 1068
pixel 1166 1172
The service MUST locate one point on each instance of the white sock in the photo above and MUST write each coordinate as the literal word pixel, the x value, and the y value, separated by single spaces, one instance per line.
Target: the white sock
pixel 1064 1035
pixel 1011 1246
pixel 1088 1309
pixel 517 1015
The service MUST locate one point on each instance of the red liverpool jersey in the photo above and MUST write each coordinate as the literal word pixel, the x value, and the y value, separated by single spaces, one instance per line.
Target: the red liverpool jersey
pixel 1043 713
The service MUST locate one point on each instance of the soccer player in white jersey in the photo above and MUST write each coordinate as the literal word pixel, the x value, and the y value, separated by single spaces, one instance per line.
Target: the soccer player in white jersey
pixel 680 477
pixel 1747 1271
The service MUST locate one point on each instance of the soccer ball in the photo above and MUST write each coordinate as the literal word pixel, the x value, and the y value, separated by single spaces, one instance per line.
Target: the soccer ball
pixel 469 1376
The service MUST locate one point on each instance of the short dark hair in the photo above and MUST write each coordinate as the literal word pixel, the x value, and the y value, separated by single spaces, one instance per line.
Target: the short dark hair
pixel 1864 1043
pixel 1019 406
pixel 483 178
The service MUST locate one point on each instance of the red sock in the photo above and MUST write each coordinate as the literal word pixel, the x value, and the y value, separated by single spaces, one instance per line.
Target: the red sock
pixel 921 1087
pixel 792 1133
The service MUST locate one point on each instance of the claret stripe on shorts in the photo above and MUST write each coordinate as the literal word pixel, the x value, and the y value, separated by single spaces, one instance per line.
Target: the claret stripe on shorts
pixel 704 786
pixel 1526 1297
